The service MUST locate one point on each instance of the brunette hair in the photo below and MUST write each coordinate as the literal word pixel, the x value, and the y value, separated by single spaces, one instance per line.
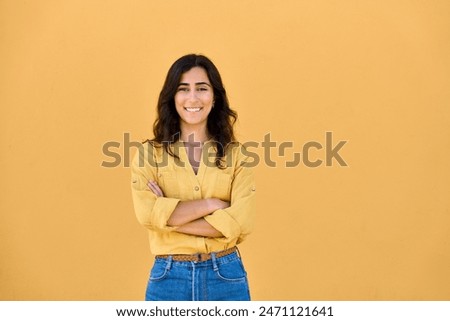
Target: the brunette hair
pixel 166 128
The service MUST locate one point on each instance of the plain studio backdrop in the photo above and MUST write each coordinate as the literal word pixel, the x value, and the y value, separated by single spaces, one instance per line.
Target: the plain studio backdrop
pixel 78 74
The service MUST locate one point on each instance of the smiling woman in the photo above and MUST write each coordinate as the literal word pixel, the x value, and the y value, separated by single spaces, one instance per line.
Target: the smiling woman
pixel 196 211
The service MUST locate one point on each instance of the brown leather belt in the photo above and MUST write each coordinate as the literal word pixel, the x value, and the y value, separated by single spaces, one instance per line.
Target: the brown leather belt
pixel 200 257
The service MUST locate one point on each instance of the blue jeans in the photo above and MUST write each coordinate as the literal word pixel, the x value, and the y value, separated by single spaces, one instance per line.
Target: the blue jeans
pixel 217 279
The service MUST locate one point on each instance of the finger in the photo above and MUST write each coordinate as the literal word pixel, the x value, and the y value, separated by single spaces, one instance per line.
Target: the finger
pixel 160 192
pixel 155 188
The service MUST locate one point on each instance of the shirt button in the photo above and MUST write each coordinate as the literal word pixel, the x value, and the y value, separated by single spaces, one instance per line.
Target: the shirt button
pixel 196 188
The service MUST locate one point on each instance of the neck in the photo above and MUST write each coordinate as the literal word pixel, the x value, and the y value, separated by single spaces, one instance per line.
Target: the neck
pixel 194 134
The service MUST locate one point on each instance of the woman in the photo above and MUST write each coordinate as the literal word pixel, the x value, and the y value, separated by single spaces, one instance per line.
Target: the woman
pixel 193 189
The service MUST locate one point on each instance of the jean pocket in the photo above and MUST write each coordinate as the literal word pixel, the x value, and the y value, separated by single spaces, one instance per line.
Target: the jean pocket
pixel 159 271
pixel 232 271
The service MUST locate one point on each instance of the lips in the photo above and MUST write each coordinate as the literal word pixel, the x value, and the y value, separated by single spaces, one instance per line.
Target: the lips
pixel 193 109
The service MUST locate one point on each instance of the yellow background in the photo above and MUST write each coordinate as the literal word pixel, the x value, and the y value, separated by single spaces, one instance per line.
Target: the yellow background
pixel 77 74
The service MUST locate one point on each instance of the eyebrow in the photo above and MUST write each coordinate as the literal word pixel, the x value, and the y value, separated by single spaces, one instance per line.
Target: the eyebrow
pixel 197 84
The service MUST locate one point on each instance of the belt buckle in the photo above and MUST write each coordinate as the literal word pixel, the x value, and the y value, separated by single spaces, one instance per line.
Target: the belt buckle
pixel 202 257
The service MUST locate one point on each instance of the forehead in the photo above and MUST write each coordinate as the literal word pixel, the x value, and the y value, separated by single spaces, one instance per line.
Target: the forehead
pixel 194 75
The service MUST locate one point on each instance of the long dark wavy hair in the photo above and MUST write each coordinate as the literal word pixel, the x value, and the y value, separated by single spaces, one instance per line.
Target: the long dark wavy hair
pixel 221 119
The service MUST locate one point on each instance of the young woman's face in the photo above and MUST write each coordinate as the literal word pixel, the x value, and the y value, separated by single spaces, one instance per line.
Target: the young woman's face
pixel 194 97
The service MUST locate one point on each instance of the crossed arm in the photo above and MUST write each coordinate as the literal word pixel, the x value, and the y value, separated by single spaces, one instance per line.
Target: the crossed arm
pixel 188 216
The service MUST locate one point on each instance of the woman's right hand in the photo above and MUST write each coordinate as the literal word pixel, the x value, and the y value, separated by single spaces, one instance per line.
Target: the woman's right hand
pixel 188 211
pixel 217 204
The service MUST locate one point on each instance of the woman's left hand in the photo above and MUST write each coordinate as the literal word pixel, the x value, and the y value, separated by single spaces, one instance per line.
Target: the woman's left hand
pixel 154 187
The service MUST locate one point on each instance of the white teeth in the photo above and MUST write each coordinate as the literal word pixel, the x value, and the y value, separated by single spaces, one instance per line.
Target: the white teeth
pixel 192 109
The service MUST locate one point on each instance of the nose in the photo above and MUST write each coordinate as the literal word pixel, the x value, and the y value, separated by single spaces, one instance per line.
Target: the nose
pixel 192 97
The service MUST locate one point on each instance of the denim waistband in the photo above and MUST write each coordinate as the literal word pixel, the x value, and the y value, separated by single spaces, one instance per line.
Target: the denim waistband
pixel 211 262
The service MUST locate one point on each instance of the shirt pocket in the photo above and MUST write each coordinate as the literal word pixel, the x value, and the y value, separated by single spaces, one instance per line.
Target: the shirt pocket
pixel 222 187
pixel 168 182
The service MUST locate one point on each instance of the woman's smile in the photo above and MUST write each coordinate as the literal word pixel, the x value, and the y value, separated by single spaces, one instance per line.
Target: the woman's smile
pixel 193 109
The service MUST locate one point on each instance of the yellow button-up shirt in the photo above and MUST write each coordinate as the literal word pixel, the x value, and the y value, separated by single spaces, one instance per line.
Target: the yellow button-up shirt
pixel 234 184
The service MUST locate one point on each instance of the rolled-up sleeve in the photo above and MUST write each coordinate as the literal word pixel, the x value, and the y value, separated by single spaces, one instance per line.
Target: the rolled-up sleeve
pixel 151 211
pixel 237 221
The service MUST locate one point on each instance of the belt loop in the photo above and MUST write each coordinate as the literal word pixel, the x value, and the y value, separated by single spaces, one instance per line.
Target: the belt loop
pixel 237 250
pixel 169 262
pixel 214 261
